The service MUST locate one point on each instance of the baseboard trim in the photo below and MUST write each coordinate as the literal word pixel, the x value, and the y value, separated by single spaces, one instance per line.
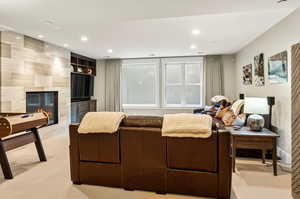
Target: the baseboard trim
pixel 285 167
pixel 286 158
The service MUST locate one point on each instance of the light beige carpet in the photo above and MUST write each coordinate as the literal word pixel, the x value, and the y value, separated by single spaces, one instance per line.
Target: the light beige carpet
pixel 51 180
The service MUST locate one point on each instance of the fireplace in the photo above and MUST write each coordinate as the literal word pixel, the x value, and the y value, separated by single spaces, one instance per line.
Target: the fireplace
pixel 43 101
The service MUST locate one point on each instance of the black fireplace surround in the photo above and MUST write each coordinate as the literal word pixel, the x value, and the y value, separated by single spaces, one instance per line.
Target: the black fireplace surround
pixel 43 101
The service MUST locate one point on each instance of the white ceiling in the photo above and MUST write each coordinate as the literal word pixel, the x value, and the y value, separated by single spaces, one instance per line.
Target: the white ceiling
pixel 138 28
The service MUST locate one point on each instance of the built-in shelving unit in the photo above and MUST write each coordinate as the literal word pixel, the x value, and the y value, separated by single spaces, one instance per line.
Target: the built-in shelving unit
pixel 82 64
pixel 82 86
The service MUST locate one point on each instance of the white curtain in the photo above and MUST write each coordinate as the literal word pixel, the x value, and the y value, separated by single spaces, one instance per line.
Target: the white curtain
pixel 112 85
pixel 213 67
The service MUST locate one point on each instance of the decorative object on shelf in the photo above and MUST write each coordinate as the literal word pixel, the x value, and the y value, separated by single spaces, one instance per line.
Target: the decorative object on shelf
pixel 79 69
pixel 259 76
pixel 89 71
pixel 72 69
pixel 256 107
pixel 247 74
pixel 82 64
pixel 278 68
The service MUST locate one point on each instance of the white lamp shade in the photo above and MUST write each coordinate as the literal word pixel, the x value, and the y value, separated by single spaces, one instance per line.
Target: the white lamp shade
pixel 255 105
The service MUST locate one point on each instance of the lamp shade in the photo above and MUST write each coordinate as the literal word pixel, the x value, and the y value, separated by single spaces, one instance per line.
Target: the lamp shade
pixel 255 105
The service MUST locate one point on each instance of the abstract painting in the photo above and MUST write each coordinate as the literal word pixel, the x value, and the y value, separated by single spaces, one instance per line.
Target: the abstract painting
pixel 259 76
pixel 278 68
pixel 247 74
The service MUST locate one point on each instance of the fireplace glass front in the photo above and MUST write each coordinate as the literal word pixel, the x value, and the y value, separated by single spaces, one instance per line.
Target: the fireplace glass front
pixel 43 101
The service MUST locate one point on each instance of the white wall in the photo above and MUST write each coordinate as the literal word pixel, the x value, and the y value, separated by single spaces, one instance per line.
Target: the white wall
pixel 279 38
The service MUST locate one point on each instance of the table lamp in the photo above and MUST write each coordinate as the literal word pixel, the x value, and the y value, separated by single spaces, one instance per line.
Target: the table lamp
pixel 256 107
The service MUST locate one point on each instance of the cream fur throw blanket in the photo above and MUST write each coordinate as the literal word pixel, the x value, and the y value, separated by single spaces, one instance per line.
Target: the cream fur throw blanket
pixel 187 125
pixel 101 122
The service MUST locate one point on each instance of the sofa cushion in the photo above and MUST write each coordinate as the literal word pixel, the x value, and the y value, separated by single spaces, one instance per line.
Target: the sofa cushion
pixel 143 152
pixel 101 147
pixel 192 182
pixel 193 153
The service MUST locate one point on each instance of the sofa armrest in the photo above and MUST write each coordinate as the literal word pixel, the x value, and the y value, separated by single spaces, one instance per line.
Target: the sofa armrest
pixel 74 153
pixel 225 165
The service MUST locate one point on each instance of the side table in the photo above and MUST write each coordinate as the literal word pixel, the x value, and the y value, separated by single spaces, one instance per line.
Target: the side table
pixel 245 139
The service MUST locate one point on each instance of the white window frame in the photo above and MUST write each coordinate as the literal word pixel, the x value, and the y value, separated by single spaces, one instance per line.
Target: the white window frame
pixel 137 62
pixel 182 62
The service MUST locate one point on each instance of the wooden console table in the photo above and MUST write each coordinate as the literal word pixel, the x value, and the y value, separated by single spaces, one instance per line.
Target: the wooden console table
pixel 17 124
pixel 246 139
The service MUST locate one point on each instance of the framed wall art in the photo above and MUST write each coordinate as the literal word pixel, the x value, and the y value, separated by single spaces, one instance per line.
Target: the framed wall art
pixel 278 68
pixel 259 76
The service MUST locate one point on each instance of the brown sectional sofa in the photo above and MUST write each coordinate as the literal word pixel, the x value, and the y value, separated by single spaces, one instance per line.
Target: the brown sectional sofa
pixel 138 157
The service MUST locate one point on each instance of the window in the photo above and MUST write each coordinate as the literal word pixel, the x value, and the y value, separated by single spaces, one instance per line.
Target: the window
pixel 182 82
pixel 140 83
pixel 162 83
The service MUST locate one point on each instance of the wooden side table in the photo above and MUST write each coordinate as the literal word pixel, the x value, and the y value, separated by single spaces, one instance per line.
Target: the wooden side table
pixel 246 139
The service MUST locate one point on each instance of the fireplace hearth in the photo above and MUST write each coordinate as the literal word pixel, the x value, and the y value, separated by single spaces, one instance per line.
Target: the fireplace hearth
pixel 46 101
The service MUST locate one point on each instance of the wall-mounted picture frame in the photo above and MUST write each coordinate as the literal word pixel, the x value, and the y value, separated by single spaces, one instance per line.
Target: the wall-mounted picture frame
pixel 259 75
pixel 247 74
pixel 278 68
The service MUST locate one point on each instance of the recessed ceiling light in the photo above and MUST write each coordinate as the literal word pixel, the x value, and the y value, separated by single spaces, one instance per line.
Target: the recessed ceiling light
pixel 41 36
pixel 193 46
pixel 196 32
pixel 84 38
pixel 282 1
pixel 109 50
pixel 66 45
pixel 48 22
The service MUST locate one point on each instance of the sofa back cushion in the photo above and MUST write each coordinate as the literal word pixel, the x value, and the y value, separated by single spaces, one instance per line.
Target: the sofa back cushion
pixel 142 121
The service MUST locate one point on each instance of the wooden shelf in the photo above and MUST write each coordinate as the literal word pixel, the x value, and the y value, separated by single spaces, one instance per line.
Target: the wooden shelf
pixel 87 65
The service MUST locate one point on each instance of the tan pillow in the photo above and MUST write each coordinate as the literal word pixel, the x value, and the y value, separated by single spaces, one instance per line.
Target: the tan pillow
pixel 237 106
pixel 221 112
pixel 228 118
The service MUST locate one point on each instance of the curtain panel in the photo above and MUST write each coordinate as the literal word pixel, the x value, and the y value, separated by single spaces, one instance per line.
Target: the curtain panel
pixel 112 85
pixel 213 77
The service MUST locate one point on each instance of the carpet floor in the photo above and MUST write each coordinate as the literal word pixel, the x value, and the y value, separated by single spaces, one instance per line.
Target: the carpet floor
pixel 51 179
